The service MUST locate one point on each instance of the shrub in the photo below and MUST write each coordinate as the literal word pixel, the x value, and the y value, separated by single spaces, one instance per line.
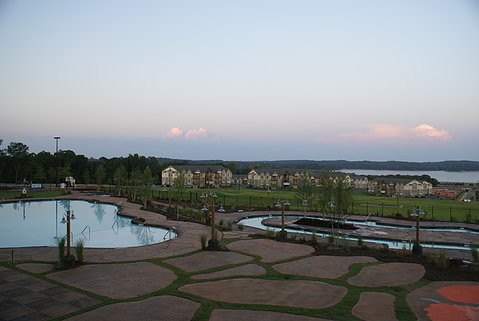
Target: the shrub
pixel 230 225
pixel 360 240
pixel 79 246
pixel 203 238
pixel 442 260
pixel 314 241
pixel 61 242
pixel 270 232
pixel 331 239
pixel 221 222
pixel 474 253
pixel 240 226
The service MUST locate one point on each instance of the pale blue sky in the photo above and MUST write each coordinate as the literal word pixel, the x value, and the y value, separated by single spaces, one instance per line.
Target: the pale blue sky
pixel 243 80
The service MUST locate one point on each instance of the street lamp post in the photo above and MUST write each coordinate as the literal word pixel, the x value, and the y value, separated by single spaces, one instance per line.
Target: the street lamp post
pixel 282 203
pixel 417 213
pixel 56 138
pixel 209 197
pixel 69 260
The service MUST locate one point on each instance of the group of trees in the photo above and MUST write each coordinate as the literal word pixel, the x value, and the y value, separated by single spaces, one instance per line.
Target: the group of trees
pixel 333 193
pixel 18 165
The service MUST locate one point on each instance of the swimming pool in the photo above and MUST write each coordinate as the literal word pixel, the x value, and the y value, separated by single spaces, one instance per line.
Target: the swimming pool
pixel 257 222
pixel 39 223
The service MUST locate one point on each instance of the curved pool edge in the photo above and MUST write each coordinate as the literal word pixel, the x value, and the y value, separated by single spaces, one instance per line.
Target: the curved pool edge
pixel 187 240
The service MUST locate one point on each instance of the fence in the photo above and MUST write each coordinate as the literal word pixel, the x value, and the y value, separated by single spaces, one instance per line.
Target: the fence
pixel 433 208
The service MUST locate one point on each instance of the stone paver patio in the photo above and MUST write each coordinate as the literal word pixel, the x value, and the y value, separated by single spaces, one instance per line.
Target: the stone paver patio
pixel 166 307
pixel 300 294
pixel 270 250
pixel 36 267
pixel 329 267
pixel 117 280
pixel 388 274
pixel 26 297
pixel 375 306
pixel 207 260
pixel 248 315
pixel 243 270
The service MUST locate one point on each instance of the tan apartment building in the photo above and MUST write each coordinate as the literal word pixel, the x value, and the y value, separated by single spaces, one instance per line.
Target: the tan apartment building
pixel 198 176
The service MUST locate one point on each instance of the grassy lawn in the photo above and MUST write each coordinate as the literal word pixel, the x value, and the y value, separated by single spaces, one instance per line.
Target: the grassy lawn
pixel 9 194
pixel 362 204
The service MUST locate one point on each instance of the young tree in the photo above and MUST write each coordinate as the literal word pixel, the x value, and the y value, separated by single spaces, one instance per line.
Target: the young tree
pixel 147 182
pixel 179 185
pixel 120 177
pixel 306 189
pixel 100 175
pixel 135 181
pixel 324 191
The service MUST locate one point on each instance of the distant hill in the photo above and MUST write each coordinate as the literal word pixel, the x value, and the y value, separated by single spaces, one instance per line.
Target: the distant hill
pixel 462 165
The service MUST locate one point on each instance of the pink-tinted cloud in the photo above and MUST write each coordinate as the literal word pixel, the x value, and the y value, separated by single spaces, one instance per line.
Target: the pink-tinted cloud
pixel 199 132
pixel 392 133
pixel 192 133
pixel 174 132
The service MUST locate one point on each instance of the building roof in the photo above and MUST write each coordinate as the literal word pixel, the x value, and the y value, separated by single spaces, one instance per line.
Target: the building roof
pixel 199 168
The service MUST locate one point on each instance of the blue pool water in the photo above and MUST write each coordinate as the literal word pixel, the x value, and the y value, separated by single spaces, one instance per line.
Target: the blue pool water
pixel 39 223
pixel 257 222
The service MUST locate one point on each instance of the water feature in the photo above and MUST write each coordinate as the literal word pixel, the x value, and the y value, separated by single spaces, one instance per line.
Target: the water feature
pixel 39 223
pixel 257 222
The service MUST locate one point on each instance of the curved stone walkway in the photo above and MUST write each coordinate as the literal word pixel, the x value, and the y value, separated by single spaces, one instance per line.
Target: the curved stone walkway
pixel 243 270
pixel 207 260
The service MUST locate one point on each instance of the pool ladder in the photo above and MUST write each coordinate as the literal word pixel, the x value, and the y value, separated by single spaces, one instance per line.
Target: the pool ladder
pixel 89 232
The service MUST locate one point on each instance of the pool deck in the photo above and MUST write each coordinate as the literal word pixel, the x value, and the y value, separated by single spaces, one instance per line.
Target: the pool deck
pixel 146 283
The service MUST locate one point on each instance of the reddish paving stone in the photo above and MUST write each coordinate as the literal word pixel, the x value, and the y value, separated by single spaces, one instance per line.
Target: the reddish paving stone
pixel 375 306
pixel 165 307
pixel 243 270
pixel 117 280
pixel 36 267
pixel 248 315
pixel 388 274
pixel 207 260
pixel 270 250
pixel 329 267
pixel 294 293
pixel 426 301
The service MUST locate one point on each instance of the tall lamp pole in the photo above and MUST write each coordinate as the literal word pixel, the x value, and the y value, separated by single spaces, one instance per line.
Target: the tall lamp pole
pixel 417 213
pixel 209 206
pixel 282 203
pixel 56 138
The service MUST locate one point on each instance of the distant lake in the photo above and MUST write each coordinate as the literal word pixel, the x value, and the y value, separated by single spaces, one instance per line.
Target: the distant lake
pixel 442 176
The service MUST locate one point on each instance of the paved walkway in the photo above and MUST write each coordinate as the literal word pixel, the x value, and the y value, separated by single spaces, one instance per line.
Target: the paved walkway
pixel 146 283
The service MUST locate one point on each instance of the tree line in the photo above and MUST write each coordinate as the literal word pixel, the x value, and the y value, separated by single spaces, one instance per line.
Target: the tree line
pixel 19 165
